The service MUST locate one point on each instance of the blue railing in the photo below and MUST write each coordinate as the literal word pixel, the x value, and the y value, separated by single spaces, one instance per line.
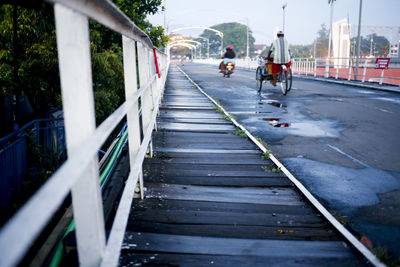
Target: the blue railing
pixel 44 138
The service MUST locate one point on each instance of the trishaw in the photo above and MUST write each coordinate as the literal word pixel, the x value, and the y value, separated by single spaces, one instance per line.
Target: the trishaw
pixel 264 73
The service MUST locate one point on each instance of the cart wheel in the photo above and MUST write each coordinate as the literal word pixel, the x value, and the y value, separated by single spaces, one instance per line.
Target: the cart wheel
pixel 290 77
pixel 284 81
pixel 259 78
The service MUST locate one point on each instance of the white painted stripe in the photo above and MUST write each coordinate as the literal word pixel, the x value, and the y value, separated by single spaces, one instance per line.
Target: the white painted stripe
pixel 335 223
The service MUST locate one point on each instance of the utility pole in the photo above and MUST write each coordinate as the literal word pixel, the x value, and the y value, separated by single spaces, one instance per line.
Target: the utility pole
pixel 283 24
pixel 370 46
pixel 328 60
pixel 358 42
pixel 247 39
pixel 165 17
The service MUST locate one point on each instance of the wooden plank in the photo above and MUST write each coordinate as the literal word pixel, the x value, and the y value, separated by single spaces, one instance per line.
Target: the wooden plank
pixel 232 246
pixel 236 231
pixel 210 170
pixel 182 104
pixel 192 127
pixel 210 159
pixel 172 204
pixel 197 120
pixel 208 150
pixel 168 259
pixel 188 113
pixel 202 140
pixel 223 194
pixel 221 181
pixel 227 218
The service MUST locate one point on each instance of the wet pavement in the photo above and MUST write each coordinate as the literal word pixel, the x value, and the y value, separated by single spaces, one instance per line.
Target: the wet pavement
pixel 341 142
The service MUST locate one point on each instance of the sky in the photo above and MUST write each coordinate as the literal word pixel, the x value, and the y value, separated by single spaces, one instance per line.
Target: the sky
pixel 303 18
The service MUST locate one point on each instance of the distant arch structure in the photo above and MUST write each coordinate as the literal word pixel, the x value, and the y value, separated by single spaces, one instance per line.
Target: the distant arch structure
pixel 219 33
pixel 178 43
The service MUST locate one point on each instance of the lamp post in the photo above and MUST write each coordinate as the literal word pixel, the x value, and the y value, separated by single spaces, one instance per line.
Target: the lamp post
pixel 358 42
pixel 283 24
pixel 165 17
pixel 330 41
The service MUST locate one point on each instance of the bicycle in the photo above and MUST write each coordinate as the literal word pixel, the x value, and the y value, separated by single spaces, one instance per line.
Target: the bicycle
pixel 284 77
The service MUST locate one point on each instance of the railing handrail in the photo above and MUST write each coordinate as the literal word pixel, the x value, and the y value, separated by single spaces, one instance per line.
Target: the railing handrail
pixel 81 166
pixel 106 13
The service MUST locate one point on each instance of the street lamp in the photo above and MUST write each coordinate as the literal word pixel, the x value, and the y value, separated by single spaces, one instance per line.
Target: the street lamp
pixel 283 24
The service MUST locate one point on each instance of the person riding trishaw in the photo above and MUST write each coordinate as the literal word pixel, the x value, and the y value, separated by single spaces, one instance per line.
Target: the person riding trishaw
pixel 281 56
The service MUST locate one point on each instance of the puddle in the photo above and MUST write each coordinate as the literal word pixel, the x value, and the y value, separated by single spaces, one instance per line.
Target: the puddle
pixel 277 104
pixel 342 187
pixel 273 103
pixel 275 122
pixel 313 129
pixel 370 92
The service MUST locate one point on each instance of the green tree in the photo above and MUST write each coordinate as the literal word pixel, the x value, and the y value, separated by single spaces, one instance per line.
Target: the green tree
pixel 29 63
pixel 322 41
pixel 301 50
pixel 380 45
pixel 235 34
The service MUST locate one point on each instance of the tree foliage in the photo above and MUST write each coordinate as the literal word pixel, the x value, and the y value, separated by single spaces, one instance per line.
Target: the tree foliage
pixel 380 45
pixel 235 34
pixel 33 55
pixel 301 50
pixel 322 42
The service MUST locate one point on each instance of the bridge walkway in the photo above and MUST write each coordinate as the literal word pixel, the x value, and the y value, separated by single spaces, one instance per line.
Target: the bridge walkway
pixel 210 202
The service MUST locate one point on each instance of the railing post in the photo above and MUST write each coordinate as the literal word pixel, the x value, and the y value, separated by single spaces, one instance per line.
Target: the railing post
pixel 350 68
pixel 306 66
pixel 315 67
pixel 79 118
pixel 129 53
pixel 381 80
pixel 146 99
pixel 337 69
pixel 365 70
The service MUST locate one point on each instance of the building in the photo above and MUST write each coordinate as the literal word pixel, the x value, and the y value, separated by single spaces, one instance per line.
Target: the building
pixel 341 43
pixel 259 48
pixel 394 50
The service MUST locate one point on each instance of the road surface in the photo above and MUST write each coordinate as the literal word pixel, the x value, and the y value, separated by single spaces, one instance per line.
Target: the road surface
pixel 341 142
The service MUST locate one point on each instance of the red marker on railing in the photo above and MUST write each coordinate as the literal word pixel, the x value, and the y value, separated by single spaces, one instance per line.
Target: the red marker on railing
pixel 155 59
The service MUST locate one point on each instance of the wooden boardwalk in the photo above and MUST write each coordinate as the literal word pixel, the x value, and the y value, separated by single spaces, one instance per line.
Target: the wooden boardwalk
pixel 209 201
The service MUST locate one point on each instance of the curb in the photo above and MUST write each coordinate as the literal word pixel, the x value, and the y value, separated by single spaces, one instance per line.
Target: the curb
pixel 348 83
pixel 365 252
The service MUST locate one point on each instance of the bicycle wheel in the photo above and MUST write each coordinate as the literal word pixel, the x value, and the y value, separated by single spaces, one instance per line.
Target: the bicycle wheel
pixel 290 77
pixel 259 79
pixel 284 82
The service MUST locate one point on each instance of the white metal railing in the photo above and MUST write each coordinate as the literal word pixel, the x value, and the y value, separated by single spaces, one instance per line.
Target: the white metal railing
pixel 79 174
pixel 342 68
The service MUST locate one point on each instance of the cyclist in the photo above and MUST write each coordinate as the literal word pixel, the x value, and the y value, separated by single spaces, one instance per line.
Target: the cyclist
pixel 280 50
pixel 228 56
